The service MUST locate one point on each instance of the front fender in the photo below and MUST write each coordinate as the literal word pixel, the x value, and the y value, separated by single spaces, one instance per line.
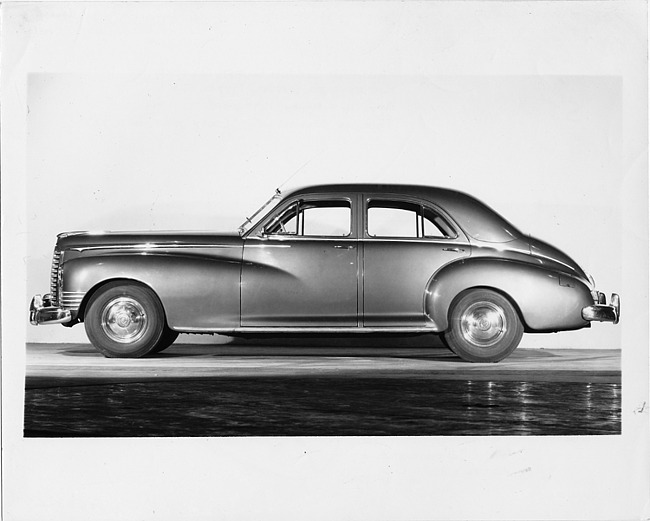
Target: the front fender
pixel 546 300
pixel 195 291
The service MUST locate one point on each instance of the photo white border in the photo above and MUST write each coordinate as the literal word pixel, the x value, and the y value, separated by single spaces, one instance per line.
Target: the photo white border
pixel 329 478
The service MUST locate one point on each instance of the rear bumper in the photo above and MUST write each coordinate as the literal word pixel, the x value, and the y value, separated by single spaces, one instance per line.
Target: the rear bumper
pixel 41 311
pixel 601 311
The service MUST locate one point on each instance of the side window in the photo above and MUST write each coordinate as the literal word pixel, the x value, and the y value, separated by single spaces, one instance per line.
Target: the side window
pixel 331 219
pixel 392 219
pixel 313 219
pixel 405 220
pixel 435 226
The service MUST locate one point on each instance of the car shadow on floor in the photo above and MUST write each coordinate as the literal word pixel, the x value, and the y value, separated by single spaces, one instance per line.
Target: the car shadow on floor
pixel 262 351
pixel 208 351
pixel 430 347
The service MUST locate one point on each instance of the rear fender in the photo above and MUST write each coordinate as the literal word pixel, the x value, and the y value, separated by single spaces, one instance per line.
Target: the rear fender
pixel 544 304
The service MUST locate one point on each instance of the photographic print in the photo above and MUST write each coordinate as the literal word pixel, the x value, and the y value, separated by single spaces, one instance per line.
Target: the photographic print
pixel 366 250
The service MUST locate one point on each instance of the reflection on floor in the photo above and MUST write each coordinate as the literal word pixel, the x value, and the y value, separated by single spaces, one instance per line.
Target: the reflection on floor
pixel 319 390
pixel 324 407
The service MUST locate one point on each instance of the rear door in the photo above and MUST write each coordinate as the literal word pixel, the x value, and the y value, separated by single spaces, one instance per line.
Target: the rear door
pixel 405 241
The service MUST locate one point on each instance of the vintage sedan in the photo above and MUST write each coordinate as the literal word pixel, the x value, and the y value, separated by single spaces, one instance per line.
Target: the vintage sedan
pixel 326 259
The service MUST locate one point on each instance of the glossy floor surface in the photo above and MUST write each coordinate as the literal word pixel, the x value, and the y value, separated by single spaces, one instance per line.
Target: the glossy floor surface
pixel 275 390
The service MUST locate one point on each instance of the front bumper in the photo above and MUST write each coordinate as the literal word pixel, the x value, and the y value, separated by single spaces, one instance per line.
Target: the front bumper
pixel 601 311
pixel 41 311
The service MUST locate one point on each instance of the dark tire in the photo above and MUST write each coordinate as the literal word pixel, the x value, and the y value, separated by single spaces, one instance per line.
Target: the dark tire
pixel 167 339
pixel 483 327
pixel 125 320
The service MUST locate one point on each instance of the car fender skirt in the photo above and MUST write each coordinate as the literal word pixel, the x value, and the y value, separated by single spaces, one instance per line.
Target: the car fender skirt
pixel 542 302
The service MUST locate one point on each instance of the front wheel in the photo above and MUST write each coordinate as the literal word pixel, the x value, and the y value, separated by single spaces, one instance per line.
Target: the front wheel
pixel 125 321
pixel 483 327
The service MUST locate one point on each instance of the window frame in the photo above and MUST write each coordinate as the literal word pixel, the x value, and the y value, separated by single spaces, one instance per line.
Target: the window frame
pixel 368 199
pixel 275 215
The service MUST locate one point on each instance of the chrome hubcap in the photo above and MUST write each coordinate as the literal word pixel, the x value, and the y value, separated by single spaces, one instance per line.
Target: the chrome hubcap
pixel 483 324
pixel 124 320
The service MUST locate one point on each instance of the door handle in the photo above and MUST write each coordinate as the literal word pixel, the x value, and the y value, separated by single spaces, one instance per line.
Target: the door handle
pixel 457 250
pixel 341 247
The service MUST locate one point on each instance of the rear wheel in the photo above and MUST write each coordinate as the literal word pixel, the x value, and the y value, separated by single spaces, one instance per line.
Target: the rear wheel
pixel 125 320
pixel 483 327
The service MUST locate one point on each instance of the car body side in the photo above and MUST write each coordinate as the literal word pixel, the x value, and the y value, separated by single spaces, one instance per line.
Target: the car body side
pixel 198 276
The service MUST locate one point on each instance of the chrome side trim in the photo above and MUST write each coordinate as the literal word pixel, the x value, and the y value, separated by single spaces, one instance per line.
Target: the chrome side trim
pixel 71 299
pixel 282 329
pixel 447 241
pixel 298 238
pixel 266 245
pixel 552 259
pixel 151 246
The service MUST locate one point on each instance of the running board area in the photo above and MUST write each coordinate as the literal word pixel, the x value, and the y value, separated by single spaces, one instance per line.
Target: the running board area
pixel 292 330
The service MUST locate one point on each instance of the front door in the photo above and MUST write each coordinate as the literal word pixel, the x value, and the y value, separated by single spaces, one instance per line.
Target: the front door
pixel 300 268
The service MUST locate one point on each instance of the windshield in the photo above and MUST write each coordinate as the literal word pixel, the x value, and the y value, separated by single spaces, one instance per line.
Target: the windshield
pixel 250 221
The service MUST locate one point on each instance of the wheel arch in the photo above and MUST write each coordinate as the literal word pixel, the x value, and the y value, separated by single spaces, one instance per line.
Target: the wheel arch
pixel 94 290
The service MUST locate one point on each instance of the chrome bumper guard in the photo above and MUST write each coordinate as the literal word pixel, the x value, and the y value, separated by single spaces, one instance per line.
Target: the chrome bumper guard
pixel 41 311
pixel 601 311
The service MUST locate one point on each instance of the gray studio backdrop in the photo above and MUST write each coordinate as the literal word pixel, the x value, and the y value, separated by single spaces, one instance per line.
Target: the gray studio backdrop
pixel 202 151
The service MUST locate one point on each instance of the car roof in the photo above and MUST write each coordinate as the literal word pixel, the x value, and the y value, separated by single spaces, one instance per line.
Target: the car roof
pixel 475 217
pixel 452 201
pixel 393 188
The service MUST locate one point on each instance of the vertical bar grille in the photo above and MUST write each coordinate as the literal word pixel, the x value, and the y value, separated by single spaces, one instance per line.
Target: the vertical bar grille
pixel 54 276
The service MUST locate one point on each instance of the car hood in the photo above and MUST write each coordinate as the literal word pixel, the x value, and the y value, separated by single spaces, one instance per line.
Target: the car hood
pixel 82 240
pixel 549 255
